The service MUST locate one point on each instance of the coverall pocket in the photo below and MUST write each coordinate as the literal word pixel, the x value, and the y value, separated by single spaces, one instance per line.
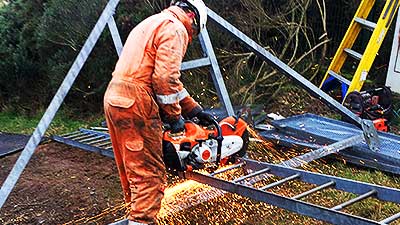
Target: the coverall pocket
pixel 134 156
pixel 121 102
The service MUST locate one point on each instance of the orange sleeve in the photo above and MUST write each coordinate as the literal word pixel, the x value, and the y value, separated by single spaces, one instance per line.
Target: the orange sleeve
pixel 171 42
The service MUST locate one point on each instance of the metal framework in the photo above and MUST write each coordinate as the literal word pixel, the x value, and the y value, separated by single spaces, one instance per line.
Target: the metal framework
pixel 56 102
pixel 260 170
pixel 106 18
pixel 89 140
pixel 370 134
pixel 313 131
pixel 99 142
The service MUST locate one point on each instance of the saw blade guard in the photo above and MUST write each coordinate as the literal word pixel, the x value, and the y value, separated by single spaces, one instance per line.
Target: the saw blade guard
pixel 207 151
pixel 205 144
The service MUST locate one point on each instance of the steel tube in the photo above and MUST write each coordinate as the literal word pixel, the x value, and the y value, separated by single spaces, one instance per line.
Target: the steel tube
pixel 391 219
pixel 321 187
pixel 227 169
pixel 251 175
pixel 282 67
pixel 354 200
pixel 98 141
pixel 279 182
pixel 56 102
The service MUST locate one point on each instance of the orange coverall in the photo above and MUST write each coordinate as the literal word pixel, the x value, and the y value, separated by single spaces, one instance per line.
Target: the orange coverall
pixel 146 80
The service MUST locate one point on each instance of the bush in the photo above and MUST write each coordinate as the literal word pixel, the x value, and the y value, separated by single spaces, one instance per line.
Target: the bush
pixel 40 40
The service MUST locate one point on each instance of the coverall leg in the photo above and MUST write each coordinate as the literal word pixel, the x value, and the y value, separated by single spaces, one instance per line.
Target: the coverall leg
pixel 136 133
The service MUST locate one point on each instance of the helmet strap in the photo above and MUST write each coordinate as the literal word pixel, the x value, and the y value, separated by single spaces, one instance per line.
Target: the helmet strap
pixel 195 23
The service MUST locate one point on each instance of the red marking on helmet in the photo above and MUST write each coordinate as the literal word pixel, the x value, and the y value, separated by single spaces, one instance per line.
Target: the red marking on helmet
pixel 206 155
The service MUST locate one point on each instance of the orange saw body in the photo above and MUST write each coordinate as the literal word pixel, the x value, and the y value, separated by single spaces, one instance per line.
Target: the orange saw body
pixel 212 144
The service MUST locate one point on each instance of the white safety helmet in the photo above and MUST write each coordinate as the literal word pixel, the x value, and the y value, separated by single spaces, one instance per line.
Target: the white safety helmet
pixel 198 7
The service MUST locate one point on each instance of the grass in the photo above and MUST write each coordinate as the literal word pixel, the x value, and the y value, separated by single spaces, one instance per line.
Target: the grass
pixel 11 122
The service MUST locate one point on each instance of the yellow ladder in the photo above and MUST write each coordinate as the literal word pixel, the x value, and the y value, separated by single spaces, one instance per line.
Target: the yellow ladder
pixel 333 75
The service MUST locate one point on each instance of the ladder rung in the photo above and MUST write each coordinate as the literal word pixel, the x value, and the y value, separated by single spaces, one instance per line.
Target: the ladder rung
pixel 323 186
pixel 99 128
pixel 98 141
pixel 365 23
pixel 390 219
pixel 78 134
pixel 105 144
pixel 279 182
pixel 84 137
pixel 91 138
pixel 70 134
pixel 340 78
pixel 354 200
pixel 227 169
pixel 252 174
pixel 353 54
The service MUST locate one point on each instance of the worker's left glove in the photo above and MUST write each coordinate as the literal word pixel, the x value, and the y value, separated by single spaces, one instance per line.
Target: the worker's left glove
pixel 205 118
pixel 177 126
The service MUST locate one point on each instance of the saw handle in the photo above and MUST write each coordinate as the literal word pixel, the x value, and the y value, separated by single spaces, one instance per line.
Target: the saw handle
pixel 219 139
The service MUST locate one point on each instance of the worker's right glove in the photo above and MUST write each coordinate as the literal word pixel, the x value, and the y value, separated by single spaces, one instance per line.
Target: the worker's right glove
pixel 205 118
pixel 177 126
pixel 191 162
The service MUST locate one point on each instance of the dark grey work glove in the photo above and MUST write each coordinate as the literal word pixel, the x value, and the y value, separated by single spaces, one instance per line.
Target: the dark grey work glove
pixel 205 118
pixel 191 161
pixel 177 126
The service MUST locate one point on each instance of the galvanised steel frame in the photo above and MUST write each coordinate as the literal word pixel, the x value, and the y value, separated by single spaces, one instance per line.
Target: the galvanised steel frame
pixel 99 142
pixel 261 170
pixel 210 60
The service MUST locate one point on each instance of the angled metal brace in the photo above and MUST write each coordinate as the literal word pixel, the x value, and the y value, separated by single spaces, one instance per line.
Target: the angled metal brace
pixel 295 76
pixel 55 104
pixel 112 26
pixel 322 152
pixel 223 95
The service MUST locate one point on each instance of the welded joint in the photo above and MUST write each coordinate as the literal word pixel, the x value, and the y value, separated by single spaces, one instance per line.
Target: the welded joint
pixel 371 135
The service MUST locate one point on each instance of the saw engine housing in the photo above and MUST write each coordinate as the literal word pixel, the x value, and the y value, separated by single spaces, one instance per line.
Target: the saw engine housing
pixel 217 143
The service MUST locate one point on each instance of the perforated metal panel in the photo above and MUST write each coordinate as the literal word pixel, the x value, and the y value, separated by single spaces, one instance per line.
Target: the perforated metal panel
pixel 314 131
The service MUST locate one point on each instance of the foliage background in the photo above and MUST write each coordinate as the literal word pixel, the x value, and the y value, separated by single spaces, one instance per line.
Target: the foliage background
pixel 41 38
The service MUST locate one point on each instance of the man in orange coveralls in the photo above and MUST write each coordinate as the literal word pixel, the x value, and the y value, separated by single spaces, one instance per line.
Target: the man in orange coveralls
pixel 145 85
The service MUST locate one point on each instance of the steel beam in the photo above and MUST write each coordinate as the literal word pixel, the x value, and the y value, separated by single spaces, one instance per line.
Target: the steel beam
pixel 294 204
pixel 324 151
pixel 188 65
pixel 112 26
pixel 391 219
pixel 343 184
pixel 304 208
pixel 282 67
pixel 56 102
pixel 216 72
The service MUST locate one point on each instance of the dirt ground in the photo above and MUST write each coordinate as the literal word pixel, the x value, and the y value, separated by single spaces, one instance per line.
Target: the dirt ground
pixel 59 185
pixel 65 185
